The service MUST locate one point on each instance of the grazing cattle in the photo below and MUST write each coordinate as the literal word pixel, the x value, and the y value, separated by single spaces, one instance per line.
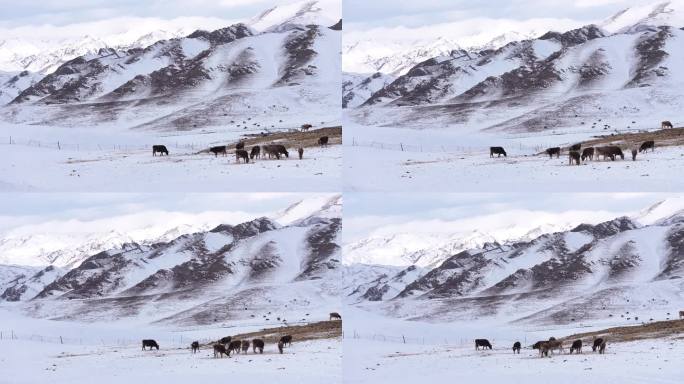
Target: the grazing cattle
pixel 287 339
pixel 301 152
pixel 516 347
pixel 245 346
pixel 323 141
pixel 634 153
pixel 665 124
pixel 255 153
pixel 241 154
pixel 234 346
pixel 576 346
pixel 610 151
pixel 195 346
pixel 550 345
pixel 258 344
pixel 240 145
pixel 335 316
pixel 597 343
pixel 553 151
pixel 574 156
pixel 588 153
pixel 225 340
pixel 306 127
pixel 149 343
pixel 161 149
pixel 538 344
pixel 218 149
pixel 602 347
pixel 280 346
pixel 646 145
pixel 484 343
pixel 575 147
pixel 275 150
pixel 220 350
pixel 497 151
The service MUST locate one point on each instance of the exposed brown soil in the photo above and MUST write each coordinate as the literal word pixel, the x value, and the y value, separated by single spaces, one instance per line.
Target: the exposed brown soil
pixel 312 331
pixel 662 138
pixel 654 330
pixel 291 140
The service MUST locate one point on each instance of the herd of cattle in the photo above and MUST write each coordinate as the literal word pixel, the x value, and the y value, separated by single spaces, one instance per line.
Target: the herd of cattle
pixel 550 345
pixel 577 154
pixel 256 152
pixel 226 345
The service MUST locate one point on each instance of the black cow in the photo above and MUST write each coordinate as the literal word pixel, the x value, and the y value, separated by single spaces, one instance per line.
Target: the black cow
pixel 240 145
pixel 646 145
pixel 301 152
pixel 161 149
pixel 275 150
pixel 149 343
pixel 553 151
pixel 516 347
pixel 665 124
pixel 255 153
pixel 218 149
pixel 610 151
pixel 225 340
pixel 323 141
pixel 497 151
pixel 574 156
pixel 597 344
pixel 484 343
pixel 220 350
pixel 576 346
pixel 306 127
pixel 287 339
pixel 258 344
pixel 195 346
pixel 588 153
pixel 241 154
pixel 335 316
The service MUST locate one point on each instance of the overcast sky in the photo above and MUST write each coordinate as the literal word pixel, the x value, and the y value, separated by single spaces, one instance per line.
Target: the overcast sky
pixel 380 215
pixel 29 213
pixel 470 22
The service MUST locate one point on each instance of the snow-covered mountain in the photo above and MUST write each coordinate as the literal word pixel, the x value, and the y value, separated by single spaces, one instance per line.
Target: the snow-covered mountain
pixel 194 278
pixel 357 88
pixel 207 78
pixel 554 81
pixel 590 272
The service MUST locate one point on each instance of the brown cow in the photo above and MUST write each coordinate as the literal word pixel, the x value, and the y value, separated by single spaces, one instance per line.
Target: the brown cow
pixel 574 156
pixel 241 154
pixel 646 145
pixel 576 346
pixel 240 145
pixel 220 350
pixel 602 348
pixel 665 124
pixel 575 147
pixel 245 346
pixel 306 127
pixel 300 150
pixel 287 339
pixel 634 153
pixel 258 344
pixel 323 141
pixel 335 316
pixel 255 153
pixel 597 344
pixel 588 153
pixel 234 346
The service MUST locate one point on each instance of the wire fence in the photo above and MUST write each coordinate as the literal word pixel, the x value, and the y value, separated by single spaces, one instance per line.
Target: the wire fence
pixel 444 148
pixel 107 147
